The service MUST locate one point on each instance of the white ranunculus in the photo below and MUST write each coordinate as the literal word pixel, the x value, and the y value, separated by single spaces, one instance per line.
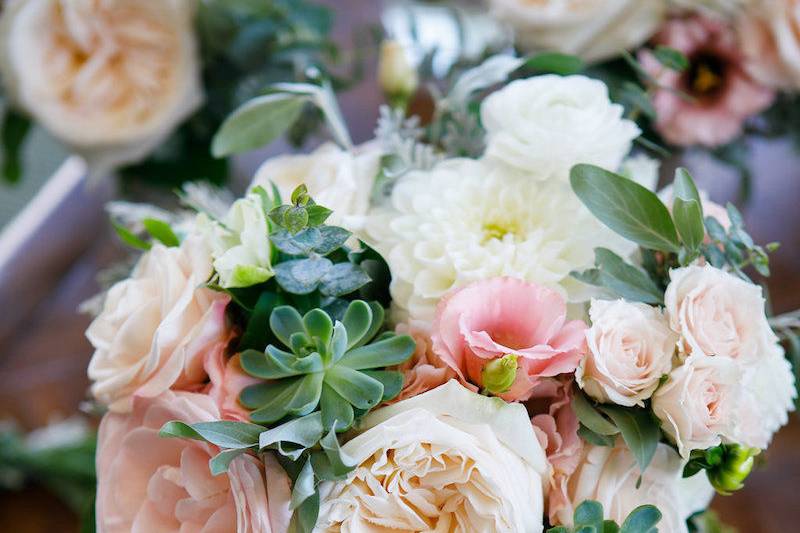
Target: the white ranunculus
pixel 156 326
pixel 767 397
pixel 630 348
pixel 698 404
pixel 468 220
pixel 337 179
pixel 610 476
pixel 240 243
pixel 769 33
pixel 446 460
pixel 110 78
pixel 547 124
pixel 592 29
pixel 718 313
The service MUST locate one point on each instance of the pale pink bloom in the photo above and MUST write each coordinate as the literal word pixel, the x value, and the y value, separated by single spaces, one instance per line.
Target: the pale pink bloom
pixel 148 483
pixel 424 370
pixel 492 318
pixel 556 426
pixel 227 382
pixel 769 34
pixel 721 93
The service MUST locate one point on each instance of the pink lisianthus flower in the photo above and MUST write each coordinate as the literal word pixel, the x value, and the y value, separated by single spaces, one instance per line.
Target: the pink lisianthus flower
pixel 493 318
pixel 556 426
pixel 708 103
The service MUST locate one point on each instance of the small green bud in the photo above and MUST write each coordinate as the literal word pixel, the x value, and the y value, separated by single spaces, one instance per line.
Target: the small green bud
pixel 498 375
pixel 397 76
pixel 734 468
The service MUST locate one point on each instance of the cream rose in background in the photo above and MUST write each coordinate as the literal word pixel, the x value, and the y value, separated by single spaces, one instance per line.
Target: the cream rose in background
pixel 446 460
pixel 156 326
pixel 110 78
pixel 610 476
pixel 592 29
pixel 545 125
pixel 150 483
pixel 769 34
pixel 340 180
pixel 630 349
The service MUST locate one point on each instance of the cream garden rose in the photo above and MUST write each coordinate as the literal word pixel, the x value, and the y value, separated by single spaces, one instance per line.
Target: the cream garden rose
pixel 338 179
pixel 545 125
pixel 610 476
pixel 769 33
pixel 630 348
pixel 717 313
pixel 111 78
pixel 156 326
pixel 698 404
pixel 446 460
pixel 592 29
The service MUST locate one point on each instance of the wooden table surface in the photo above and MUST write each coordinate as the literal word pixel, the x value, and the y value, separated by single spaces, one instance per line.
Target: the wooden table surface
pixel 43 365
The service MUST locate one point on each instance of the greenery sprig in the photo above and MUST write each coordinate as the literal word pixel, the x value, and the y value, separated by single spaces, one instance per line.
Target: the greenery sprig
pixel 588 518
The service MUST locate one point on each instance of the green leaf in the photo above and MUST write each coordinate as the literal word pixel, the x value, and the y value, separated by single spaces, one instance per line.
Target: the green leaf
pixel 622 278
pixel 357 321
pixel 609 526
pixel 257 331
pixel 392 382
pixel 377 322
pixel 161 231
pixel 304 432
pixel 671 58
pixel 256 123
pixel 342 279
pixel 557 63
pixel 332 238
pixel 639 430
pixel 589 513
pixel 595 438
pixel 388 352
pixel 302 276
pixel 590 417
pixel 317 215
pixel 362 391
pixel 295 397
pixel 219 463
pixel 285 321
pixel 643 519
pixel 225 434
pixel 129 238
pixel 687 210
pixel 305 517
pixel 303 487
pixel 341 464
pixel 295 219
pixel 277 364
pixel 636 99
pixel 15 129
pixel 319 325
pixel 336 409
pixel 626 207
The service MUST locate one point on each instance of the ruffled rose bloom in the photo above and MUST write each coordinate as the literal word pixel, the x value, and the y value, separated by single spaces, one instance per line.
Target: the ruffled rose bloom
pixel 592 29
pixel 718 313
pixel 769 33
pixel 610 476
pixel 491 319
pixel 446 460
pixel 698 404
pixel 337 179
pixel 723 94
pixel 556 425
pixel 110 78
pixel 157 326
pixel 227 382
pixel 547 124
pixel 149 483
pixel 630 348
pixel 424 370
pixel 768 394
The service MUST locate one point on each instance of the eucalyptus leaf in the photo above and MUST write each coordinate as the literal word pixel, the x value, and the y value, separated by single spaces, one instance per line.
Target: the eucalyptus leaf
pixel 304 432
pixel 332 238
pixel 225 434
pixel 342 279
pixel 219 463
pixel 302 276
pixel 626 207
pixel 687 210
pixel 597 439
pixel 591 417
pixel 639 430
pixel 555 62
pixel 623 279
pixel 325 99
pixel 256 123
pixel 341 463
pixel 304 486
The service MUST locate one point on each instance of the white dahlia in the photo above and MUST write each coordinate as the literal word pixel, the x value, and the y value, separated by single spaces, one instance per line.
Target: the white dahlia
pixel 467 220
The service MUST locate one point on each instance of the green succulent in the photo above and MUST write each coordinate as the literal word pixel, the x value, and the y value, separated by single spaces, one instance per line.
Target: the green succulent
pixel 338 367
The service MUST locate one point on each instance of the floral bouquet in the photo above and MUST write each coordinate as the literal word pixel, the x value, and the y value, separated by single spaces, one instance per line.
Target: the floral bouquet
pixel 705 74
pixel 389 337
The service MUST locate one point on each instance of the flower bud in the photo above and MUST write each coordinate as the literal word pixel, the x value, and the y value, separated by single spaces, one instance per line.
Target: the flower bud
pixel 498 375
pixel 398 78
pixel 736 464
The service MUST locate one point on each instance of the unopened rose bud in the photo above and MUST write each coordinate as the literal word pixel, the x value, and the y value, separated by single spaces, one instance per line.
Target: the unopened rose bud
pixel 737 462
pixel 398 78
pixel 498 375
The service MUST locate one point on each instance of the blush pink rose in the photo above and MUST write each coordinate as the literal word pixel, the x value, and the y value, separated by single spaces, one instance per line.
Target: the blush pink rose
pixel 493 318
pixel 556 425
pixel 425 370
pixel 147 483
pixel 722 92
pixel 227 382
